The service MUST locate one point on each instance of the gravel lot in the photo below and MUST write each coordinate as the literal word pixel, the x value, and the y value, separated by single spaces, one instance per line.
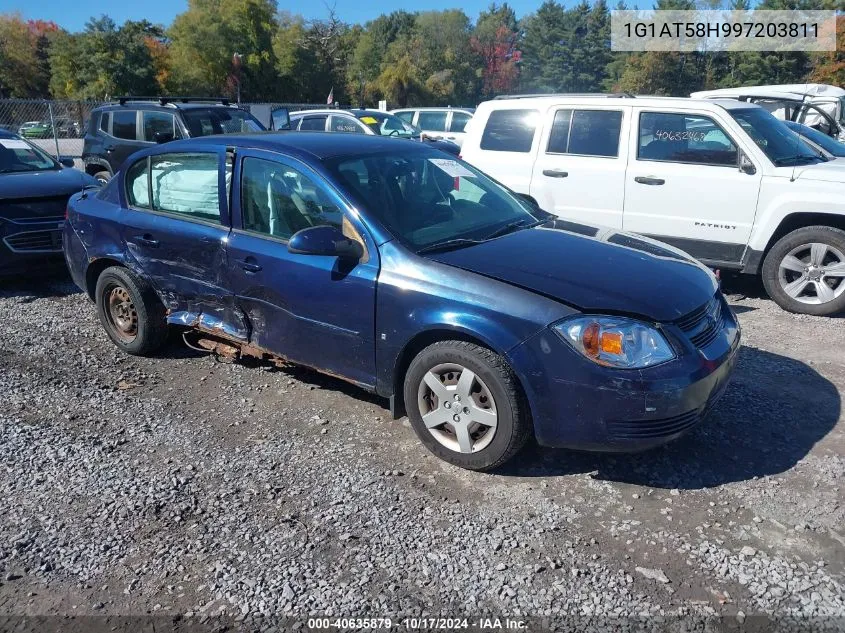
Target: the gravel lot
pixel 181 485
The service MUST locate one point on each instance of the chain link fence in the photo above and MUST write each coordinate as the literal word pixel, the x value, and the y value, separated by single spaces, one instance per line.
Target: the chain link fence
pixel 55 126
pixel 58 126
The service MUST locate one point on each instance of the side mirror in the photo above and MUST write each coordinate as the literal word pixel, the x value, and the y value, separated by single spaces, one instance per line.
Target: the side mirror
pixel 280 119
pixel 324 240
pixel 163 137
pixel 66 161
pixel 746 166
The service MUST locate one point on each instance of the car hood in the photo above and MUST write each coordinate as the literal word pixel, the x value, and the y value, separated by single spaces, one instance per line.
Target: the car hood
pixel 592 269
pixel 40 184
pixel 831 171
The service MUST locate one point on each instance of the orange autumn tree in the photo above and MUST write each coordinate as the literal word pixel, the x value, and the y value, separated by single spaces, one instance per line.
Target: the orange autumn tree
pixel 830 67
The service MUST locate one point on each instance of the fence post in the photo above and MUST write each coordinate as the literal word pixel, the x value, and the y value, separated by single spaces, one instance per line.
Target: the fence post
pixel 53 128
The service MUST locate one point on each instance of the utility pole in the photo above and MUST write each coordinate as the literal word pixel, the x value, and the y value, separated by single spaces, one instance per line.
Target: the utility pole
pixel 236 63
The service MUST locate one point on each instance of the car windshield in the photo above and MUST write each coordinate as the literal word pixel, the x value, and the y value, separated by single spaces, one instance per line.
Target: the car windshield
pixel 776 140
pixel 819 138
pixel 385 124
pixel 17 154
pixel 427 200
pixel 220 120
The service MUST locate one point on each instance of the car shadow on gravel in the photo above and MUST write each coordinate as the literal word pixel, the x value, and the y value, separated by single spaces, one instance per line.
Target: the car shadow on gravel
pixel 773 413
pixel 41 284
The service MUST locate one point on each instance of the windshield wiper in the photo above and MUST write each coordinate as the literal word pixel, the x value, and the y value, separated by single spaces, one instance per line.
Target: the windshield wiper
pixel 448 245
pixel 511 226
pixel 797 157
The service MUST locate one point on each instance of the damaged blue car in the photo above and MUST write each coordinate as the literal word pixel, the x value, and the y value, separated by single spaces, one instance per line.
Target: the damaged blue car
pixel 412 275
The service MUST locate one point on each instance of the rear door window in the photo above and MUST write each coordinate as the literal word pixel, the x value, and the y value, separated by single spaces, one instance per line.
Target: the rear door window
pixel 432 121
pixel 339 123
pixel 586 133
pixel 313 123
pixel 124 124
pixel 187 184
pixel 459 121
pixel 510 131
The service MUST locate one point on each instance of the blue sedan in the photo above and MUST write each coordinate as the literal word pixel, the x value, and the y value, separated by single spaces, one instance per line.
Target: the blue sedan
pixel 34 189
pixel 412 275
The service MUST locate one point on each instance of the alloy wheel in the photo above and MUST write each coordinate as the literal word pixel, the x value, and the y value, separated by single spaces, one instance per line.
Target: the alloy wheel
pixel 813 273
pixel 457 408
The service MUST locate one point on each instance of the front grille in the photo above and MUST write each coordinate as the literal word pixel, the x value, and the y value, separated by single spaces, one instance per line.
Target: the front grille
pixel 646 429
pixel 35 241
pixel 703 325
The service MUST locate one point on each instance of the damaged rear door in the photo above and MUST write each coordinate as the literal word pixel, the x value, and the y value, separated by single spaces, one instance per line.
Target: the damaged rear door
pixel 175 227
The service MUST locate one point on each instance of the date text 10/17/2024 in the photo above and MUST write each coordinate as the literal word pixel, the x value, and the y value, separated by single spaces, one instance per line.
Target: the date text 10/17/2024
pixel 482 625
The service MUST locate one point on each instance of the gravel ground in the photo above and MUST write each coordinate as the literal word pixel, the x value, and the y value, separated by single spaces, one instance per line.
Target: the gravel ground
pixel 181 485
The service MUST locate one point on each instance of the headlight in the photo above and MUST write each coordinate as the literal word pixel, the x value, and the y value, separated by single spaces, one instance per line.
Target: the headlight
pixel 616 341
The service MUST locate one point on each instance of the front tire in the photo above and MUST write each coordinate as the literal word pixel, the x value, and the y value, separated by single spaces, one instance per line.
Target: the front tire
pixel 466 406
pixel 130 311
pixel 804 271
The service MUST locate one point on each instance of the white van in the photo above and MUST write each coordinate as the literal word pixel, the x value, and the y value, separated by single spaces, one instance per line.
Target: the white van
pixel 440 123
pixel 819 106
pixel 721 179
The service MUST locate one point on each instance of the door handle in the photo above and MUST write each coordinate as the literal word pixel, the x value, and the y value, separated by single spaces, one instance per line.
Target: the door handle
pixel 555 173
pixel 147 240
pixel 648 180
pixel 249 265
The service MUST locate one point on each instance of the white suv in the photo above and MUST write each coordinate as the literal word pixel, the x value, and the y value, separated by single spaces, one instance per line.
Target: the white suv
pixel 721 179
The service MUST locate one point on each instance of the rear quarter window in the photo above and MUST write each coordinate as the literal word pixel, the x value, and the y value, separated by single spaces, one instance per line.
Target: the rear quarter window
pixel 510 131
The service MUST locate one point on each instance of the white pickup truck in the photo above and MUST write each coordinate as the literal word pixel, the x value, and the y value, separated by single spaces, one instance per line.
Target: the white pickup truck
pixel 720 179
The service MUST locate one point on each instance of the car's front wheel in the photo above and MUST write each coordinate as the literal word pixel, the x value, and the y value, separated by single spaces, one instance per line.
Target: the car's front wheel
pixel 130 311
pixel 465 404
pixel 804 271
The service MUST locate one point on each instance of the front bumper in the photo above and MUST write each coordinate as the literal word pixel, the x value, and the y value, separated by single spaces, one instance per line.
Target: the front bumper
pixel 26 245
pixel 578 404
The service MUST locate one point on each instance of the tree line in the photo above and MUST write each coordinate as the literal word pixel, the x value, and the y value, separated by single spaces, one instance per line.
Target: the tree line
pixel 226 47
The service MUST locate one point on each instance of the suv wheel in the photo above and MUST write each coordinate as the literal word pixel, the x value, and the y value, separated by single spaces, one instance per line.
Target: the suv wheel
pixel 102 176
pixel 130 311
pixel 465 405
pixel 805 271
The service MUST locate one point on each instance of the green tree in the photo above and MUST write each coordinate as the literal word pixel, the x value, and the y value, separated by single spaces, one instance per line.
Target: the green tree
pixel 23 49
pixel 544 50
pixel 205 38
pixel 105 60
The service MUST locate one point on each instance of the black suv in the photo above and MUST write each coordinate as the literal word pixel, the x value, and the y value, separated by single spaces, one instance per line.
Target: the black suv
pixel 119 129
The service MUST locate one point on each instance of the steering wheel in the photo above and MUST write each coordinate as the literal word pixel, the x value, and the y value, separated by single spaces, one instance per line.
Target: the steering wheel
pixel 394 133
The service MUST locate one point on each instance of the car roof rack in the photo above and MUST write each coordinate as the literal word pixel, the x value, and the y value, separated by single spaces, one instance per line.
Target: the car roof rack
pixel 611 95
pixel 165 100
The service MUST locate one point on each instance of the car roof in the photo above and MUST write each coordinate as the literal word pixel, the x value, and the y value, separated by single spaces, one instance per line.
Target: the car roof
pixel 424 108
pixel 782 91
pixel 356 112
pixel 169 106
pixel 4 133
pixel 518 102
pixel 317 145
